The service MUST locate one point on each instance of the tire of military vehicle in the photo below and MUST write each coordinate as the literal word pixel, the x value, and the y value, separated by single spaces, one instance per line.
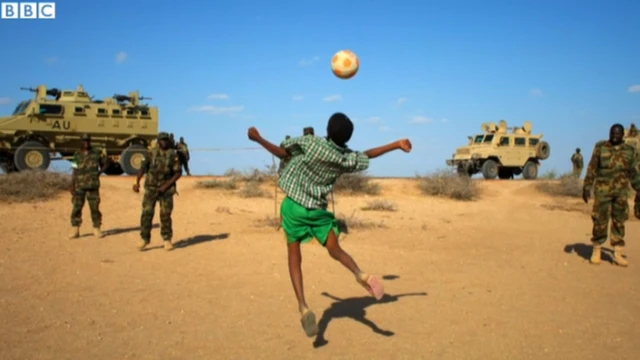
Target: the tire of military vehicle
pixel 530 170
pixel 131 158
pixel 463 170
pixel 490 169
pixel 31 155
pixel 543 150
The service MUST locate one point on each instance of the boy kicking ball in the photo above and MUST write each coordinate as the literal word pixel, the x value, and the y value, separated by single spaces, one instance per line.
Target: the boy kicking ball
pixel 314 166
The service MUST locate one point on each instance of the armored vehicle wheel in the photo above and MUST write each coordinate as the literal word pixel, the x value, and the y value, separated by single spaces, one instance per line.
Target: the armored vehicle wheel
pixel 463 170
pixel 490 169
pixel 6 163
pixel 530 170
pixel 543 150
pixel 131 158
pixel 31 156
pixel 505 173
pixel 115 169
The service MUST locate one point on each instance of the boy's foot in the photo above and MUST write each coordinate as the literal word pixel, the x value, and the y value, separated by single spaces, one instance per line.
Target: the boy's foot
pixel 308 322
pixel 372 284
pixel 167 245
pixel 75 232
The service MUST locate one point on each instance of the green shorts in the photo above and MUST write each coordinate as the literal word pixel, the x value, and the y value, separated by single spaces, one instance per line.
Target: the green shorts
pixel 302 224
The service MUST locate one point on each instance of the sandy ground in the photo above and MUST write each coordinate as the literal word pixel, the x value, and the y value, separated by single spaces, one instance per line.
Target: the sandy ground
pixel 500 278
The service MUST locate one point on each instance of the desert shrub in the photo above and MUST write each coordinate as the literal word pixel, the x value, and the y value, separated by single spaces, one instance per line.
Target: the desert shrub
pixel 355 184
pixel 549 175
pixel 252 189
pixel 229 184
pixel 567 185
pixel 447 183
pixel 380 205
pixel 28 186
pixel 253 175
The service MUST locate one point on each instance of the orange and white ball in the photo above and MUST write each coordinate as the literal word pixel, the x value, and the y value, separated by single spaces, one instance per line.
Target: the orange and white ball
pixel 345 64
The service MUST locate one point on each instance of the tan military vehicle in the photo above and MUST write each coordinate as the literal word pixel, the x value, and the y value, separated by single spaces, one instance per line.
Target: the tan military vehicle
pixel 501 152
pixel 632 137
pixel 48 127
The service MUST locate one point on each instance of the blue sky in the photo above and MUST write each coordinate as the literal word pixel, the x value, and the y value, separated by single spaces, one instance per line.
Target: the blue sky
pixel 431 71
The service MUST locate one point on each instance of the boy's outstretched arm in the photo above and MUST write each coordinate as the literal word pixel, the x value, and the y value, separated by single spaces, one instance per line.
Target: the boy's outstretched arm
pixel 274 149
pixel 404 145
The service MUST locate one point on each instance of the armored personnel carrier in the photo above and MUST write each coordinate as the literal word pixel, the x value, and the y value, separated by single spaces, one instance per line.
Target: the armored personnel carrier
pixel 503 152
pixel 632 137
pixel 48 127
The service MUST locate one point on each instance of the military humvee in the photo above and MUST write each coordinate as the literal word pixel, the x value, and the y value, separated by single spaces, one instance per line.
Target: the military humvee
pixel 54 120
pixel 500 153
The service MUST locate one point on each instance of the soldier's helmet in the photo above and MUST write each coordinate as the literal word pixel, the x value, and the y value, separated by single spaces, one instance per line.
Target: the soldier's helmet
pixel 163 135
pixel 577 149
pixel 85 137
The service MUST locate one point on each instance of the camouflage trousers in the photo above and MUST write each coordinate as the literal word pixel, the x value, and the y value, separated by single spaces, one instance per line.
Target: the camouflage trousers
pixel 605 208
pixel 185 164
pixel 577 172
pixel 78 199
pixel 149 200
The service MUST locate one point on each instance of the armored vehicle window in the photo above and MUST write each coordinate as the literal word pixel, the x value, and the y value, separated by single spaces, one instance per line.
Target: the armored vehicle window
pixel 533 142
pixel 115 112
pixel 504 141
pixel 78 110
pixel 478 139
pixel 21 108
pixel 46 109
pixel 488 138
pixel 131 112
pixel 82 94
pixel 144 113
pixel 102 112
pixel 67 93
pixel 520 141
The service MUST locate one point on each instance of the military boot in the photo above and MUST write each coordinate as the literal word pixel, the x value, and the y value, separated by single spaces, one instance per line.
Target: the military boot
pixel 618 257
pixel 595 254
pixel 142 244
pixel 97 232
pixel 168 245
pixel 75 232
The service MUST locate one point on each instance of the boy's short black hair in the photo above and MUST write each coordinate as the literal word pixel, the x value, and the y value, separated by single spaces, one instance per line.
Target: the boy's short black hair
pixel 339 129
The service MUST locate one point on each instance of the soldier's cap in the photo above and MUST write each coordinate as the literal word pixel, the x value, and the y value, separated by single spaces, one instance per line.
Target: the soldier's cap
pixel 85 137
pixel 163 135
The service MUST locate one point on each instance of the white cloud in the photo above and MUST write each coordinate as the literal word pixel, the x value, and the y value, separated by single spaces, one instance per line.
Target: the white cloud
pixel 420 120
pixel 218 97
pixel 5 101
pixel 384 128
pixel 308 62
pixel 634 89
pixel 121 57
pixel 402 100
pixel 333 98
pixel 298 98
pixel 536 92
pixel 218 110
pixel 374 120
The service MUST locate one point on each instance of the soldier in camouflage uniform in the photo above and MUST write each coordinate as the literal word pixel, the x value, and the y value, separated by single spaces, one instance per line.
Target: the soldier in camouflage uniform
pixel 613 167
pixel 162 168
pixel 87 165
pixel 183 150
pixel 578 163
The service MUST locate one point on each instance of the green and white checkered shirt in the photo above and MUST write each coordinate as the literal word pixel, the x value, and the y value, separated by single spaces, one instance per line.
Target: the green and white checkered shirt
pixel 314 166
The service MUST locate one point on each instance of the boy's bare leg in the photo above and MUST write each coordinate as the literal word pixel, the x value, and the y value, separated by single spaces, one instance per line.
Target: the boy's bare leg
pixel 371 283
pixel 295 272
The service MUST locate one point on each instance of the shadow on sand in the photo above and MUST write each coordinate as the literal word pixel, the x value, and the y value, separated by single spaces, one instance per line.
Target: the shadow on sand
pixel 355 308
pixel 118 231
pixel 199 239
pixel 584 251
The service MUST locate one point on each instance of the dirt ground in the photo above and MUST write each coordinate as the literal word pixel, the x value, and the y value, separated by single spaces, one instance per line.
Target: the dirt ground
pixel 504 277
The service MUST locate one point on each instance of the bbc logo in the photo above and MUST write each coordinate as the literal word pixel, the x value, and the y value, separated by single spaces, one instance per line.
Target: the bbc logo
pixel 29 10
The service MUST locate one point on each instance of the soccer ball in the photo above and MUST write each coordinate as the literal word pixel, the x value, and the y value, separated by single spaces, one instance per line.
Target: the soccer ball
pixel 345 64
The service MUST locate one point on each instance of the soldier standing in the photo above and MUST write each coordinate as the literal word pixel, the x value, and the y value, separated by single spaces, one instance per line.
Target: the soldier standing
pixel 578 163
pixel 162 169
pixel 183 149
pixel 172 139
pixel 87 165
pixel 613 167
